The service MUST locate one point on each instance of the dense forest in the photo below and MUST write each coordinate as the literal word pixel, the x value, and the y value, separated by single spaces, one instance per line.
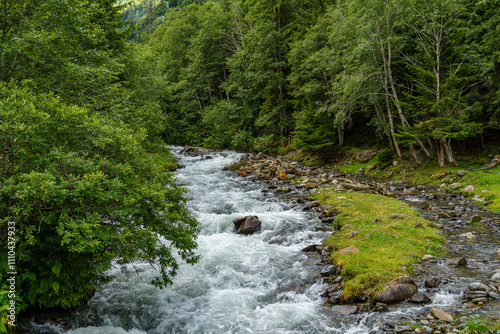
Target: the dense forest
pixel 90 91
pixel 420 75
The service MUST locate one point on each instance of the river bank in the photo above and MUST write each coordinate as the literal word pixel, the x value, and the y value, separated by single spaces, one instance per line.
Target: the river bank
pixel 465 225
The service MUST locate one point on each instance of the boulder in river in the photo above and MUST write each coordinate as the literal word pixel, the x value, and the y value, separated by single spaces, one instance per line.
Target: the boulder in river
pixel 247 225
pixel 397 290
pixel 420 298
pixel 458 262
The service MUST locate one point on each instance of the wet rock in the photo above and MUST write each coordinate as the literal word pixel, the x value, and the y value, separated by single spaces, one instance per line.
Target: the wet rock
pixel 381 307
pixel 349 249
pixel 247 225
pixel 345 309
pixel 477 286
pixel 311 248
pixel 328 270
pixel 403 329
pixel 468 235
pixel 458 262
pixel 364 156
pixel 419 298
pixel 493 295
pixel 397 290
pixel 441 315
pixel 432 282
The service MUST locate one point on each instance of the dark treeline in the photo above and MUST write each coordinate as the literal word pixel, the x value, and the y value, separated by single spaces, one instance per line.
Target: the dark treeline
pixel 422 74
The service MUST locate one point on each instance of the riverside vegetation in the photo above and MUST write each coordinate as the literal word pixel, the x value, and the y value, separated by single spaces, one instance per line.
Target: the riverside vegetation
pixel 89 94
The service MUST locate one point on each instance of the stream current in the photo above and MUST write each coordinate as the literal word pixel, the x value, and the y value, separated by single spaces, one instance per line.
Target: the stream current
pixel 260 283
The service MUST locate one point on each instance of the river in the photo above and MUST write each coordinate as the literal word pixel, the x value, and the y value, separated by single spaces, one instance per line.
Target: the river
pixel 261 283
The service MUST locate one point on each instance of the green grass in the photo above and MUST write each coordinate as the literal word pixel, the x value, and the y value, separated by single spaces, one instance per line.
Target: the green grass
pixel 486 183
pixel 389 248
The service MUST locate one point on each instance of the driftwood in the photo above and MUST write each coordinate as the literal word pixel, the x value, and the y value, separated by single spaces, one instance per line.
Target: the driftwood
pixel 494 162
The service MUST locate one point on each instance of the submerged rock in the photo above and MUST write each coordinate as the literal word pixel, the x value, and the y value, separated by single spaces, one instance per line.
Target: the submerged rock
pixel 247 225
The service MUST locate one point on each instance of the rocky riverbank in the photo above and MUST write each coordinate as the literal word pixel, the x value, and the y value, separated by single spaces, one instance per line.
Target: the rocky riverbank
pixel 448 212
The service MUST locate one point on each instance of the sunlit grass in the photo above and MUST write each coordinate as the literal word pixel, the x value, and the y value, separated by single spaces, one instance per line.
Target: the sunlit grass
pixel 389 248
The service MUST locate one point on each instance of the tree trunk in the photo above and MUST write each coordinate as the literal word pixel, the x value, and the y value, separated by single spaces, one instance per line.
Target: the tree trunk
pixel 440 154
pixel 449 152
pixel 340 131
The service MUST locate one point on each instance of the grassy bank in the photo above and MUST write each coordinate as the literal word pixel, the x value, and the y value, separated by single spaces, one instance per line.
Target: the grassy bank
pixel 391 237
pixel 486 183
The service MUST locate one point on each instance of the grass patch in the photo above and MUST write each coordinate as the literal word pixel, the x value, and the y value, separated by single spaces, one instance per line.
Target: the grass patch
pixel 389 248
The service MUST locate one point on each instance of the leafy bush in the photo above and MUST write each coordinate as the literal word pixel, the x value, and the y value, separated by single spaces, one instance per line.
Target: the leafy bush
pixel 83 191
pixel 242 140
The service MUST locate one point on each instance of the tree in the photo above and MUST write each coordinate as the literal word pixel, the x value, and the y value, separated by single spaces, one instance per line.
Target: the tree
pixel 441 73
pixel 83 191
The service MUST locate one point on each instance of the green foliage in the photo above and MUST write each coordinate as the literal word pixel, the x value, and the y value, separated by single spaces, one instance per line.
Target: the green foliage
pixel 385 158
pixel 83 191
pixel 478 325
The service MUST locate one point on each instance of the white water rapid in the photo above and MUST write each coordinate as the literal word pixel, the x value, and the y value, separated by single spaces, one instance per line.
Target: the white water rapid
pixel 260 283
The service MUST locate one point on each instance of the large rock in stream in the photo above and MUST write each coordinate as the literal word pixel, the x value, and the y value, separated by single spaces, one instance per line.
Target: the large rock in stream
pixel 397 290
pixel 247 225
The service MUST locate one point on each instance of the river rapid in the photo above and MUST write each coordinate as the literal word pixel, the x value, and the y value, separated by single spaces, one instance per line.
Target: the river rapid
pixel 261 283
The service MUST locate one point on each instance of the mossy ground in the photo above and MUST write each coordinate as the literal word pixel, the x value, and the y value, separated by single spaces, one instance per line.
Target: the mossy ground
pixel 389 248
pixel 486 183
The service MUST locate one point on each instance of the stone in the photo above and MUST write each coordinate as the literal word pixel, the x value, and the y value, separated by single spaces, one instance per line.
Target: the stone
pixel 458 262
pixel 420 298
pixel 311 248
pixel 397 290
pixel 476 286
pixel 427 257
pixel 468 189
pixel 378 220
pixel 397 216
pixel 441 315
pixel 403 329
pixel 365 155
pixel 476 219
pixel 349 249
pixel 493 295
pixel 468 235
pixel 345 309
pixel 381 307
pixel 352 234
pixel 461 173
pixel 418 225
pixel 455 185
pixel 498 252
pixel 432 282
pixel 328 270
pixel 438 176
pixel 247 225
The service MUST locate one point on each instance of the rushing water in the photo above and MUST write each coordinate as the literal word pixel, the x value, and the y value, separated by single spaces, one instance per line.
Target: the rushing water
pixel 261 283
